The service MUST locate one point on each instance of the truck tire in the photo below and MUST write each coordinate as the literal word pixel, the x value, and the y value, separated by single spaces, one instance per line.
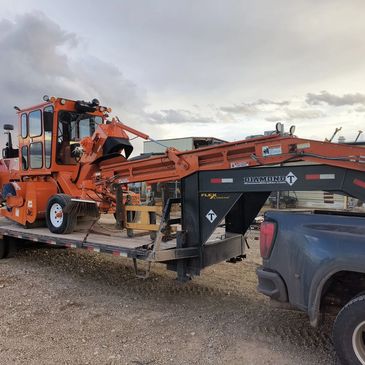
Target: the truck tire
pixel 349 332
pixel 57 220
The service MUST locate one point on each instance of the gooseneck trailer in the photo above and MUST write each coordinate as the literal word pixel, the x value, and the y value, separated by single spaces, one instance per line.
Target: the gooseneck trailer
pixel 73 165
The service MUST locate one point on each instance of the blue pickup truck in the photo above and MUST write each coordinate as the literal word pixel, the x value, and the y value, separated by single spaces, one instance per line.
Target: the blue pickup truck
pixel 316 262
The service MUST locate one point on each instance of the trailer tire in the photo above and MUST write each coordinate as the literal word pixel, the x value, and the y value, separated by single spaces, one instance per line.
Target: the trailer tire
pixel 4 249
pixel 349 332
pixel 58 221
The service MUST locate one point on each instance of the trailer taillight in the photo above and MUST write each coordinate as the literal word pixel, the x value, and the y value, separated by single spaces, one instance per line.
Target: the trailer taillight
pixel 267 235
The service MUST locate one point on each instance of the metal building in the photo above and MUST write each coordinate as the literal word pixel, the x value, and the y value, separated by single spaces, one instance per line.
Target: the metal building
pixel 182 144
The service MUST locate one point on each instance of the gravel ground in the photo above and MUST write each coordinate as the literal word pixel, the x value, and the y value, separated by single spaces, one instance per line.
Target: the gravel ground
pixel 73 307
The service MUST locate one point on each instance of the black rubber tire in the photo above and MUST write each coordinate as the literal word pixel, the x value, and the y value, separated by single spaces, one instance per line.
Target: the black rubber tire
pixel 4 249
pixel 153 234
pixel 69 220
pixel 130 218
pixel 347 320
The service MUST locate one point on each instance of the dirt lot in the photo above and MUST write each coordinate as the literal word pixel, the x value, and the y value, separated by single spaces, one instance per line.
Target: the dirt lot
pixel 73 307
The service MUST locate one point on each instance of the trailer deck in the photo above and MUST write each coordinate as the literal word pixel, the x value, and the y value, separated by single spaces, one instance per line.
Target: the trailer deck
pixel 102 238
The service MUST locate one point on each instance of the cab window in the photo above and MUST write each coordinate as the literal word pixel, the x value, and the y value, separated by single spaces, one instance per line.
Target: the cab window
pixel 48 128
pixel 72 127
pixel 24 126
pixel 36 155
pixel 35 123
pixel 25 157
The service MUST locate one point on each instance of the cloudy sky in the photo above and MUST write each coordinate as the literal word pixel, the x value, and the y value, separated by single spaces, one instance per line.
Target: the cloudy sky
pixel 195 67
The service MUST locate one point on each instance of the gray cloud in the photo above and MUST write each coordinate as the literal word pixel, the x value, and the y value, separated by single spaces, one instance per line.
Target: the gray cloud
pixel 295 114
pixel 275 118
pixel 304 113
pixel 274 110
pixel 206 49
pixel 335 100
pixel 193 52
pixel 252 108
pixel 178 116
pixel 30 62
pixel 199 51
pixel 243 108
pixel 270 102
pixel 107 82
pixel 36 59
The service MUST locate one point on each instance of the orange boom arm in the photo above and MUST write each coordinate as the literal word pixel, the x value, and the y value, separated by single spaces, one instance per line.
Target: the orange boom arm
pixel 272 150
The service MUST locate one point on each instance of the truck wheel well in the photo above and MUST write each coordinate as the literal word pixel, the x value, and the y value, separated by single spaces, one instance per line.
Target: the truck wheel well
pixel 340 288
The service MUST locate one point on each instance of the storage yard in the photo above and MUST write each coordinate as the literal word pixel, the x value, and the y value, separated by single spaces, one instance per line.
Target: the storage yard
pixel 76 307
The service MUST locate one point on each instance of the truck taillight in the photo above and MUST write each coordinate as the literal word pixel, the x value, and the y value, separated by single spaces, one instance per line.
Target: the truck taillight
pixel 267 235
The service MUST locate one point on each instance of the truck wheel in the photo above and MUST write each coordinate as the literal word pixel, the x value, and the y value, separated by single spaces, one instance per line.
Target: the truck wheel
pixel 57 220
pixel 349 332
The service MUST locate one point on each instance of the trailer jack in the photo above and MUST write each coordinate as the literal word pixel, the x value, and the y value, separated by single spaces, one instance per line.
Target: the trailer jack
pixel 140 274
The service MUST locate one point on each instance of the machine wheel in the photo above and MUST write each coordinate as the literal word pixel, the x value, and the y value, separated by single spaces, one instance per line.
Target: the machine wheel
pixel 349 332
pixel 57 220
pixel 153 234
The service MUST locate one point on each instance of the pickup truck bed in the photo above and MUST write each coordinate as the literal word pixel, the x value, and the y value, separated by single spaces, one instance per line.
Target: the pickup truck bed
pixel 316 262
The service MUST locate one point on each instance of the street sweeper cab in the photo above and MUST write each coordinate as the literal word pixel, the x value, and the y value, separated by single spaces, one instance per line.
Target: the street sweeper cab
pixel 43 175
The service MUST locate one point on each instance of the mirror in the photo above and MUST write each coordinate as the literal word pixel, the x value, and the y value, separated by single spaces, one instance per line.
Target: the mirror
pixel 8 127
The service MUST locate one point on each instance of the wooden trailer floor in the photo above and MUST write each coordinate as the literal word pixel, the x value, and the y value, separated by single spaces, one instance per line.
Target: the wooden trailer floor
pixel 102 238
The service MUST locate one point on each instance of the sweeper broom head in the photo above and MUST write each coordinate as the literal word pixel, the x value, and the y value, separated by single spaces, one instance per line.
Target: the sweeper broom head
pixel 82 208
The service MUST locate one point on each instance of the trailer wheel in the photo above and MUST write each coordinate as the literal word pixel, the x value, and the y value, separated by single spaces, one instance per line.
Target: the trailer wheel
pixel 4 249
pixel 57 220
pixel 349 332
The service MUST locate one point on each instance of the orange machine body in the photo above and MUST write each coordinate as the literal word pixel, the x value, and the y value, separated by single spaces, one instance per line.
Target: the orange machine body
pixel 46 164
